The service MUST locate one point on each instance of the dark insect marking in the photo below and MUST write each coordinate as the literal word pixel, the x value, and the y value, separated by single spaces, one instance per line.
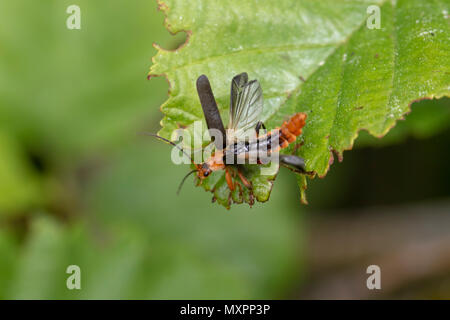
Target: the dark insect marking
pixel 263 146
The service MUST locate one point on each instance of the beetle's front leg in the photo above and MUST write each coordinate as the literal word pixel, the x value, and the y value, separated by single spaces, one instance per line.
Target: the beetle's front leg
pixel 248 184
pixel 229 179
pixel 244 180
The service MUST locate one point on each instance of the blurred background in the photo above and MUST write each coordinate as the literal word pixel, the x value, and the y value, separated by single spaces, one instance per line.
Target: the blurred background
pixel 79 186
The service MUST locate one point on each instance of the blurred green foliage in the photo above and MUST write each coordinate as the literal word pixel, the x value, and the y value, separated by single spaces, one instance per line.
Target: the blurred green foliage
pixel 19 185
pixel 79 186
pixel 70 92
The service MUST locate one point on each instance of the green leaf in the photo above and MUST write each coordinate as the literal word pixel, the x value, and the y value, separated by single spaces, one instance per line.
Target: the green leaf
pixel 317 57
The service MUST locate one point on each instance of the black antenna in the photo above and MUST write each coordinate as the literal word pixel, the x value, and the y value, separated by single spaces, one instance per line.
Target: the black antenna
pixel 167 141
pixel 210 110
pixel 184 179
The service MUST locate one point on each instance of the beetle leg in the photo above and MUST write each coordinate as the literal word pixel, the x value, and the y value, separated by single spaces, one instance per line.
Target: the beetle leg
pixel 296 146
pixel 251 198
pixel 229 179
pixel 244 180
pixel 240 188
pixel 230 199
pixel 258 127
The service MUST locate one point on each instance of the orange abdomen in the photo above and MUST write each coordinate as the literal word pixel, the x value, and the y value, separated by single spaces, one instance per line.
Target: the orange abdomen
pixel 291 129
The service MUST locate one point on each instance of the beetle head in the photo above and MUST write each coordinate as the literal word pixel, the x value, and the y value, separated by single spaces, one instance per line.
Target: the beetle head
pixel 203 170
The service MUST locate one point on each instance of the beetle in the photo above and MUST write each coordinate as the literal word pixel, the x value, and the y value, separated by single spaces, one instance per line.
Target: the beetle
pixel 246 105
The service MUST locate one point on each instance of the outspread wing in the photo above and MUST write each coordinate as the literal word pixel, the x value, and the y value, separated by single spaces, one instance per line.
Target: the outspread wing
pixel 246 103
pixel 211 112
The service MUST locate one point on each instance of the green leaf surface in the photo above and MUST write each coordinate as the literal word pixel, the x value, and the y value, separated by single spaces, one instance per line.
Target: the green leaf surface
pixel 317 57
